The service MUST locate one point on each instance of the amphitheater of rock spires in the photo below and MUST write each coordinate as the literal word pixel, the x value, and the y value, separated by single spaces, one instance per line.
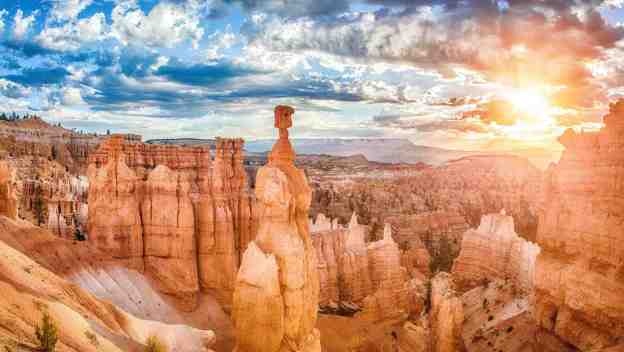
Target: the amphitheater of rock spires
pixel 181 245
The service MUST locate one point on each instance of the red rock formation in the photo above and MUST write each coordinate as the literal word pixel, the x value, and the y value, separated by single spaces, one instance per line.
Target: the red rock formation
pixel 169 206
pixel 8 199
pixel 342 262
pixel 35 138
pixel 495 251
pixel 580 271
pixel 446 316
pixel 169 233
pixel 393 293
pixel 277 288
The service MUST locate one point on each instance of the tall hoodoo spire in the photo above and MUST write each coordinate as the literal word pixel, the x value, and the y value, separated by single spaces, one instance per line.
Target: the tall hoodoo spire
pixel 267 319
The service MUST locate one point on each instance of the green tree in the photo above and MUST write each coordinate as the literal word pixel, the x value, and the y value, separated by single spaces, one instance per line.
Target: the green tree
pixel 154 345
pixel 47 334
pixel 78 235
pixel 443 258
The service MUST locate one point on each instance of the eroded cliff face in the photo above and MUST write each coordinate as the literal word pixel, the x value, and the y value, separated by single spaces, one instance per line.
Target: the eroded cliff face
pixel 494 251
pixel 8 199
pixel 393 292
pixel 580 271
pixel 342 262
pixel 446 316
pixel 50 163
pixel 172 212
pixel 277 287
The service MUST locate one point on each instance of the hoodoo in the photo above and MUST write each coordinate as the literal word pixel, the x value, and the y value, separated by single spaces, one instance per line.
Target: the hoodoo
pixel 277 287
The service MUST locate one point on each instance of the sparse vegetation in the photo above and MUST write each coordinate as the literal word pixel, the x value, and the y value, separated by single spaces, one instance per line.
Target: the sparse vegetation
pixel 78 235
pixel 47 334
pixel 427 296
pixel 443 258
pixel 154 345
pixel 92 338
pixel 39 206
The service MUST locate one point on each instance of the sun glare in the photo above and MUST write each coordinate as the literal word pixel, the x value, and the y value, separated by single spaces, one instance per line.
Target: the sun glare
pixel 533 104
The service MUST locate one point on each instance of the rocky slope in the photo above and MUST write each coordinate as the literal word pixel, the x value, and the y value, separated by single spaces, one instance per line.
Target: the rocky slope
pixel 580 271
pixel 86 323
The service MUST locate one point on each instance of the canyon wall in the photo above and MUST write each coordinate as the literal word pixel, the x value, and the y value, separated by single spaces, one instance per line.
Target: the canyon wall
pixel 495 251
pixel 276 298
pixel 342 262
pixel 50 164
pixel 172 207
pixel 579 280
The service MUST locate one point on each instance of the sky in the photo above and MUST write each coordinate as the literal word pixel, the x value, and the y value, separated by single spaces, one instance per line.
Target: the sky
pixel 458 74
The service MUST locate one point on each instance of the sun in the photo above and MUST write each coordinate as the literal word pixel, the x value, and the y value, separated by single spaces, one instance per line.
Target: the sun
pixel 532 104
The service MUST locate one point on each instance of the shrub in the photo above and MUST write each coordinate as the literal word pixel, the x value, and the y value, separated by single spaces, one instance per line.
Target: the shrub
pixel 92 338
pixel 154 345
pixel 47 334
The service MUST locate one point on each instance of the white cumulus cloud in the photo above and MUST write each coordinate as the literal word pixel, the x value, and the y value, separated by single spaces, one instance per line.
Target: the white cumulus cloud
pixel 3 13
pixel 72 35
pixel 166 25
pixel 68 9
pixel 22 24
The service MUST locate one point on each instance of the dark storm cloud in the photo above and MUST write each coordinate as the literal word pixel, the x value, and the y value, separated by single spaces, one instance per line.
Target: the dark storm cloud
pixel 203 74
pixel 293 8
pixel 38 76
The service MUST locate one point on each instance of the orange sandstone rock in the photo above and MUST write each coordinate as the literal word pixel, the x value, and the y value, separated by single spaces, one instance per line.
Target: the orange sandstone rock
pixel 279 268
pixel 579 281
pixel 8 199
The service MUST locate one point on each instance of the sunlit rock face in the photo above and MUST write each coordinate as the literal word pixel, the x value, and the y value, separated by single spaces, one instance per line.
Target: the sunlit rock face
pixel 446 315
pixel 390 281
pixel 41 272
pixel 8 199
pixel 580 271
pixel 172 212
pixel 50 163
pixel 495 251
pixel 342 261
pixel 277 287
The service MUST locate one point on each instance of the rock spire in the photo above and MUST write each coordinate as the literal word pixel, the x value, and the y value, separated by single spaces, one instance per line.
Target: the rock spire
pixel 277 288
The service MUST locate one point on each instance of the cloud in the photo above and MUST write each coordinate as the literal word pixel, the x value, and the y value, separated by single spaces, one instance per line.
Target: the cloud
pixel 202 74
pixel 166 25
pixel 39 76
pixel 73 35
pixel 72 97
pixel 504 44
pixel 293 8
pixel 21 24
pixel 63 10
pixel 500 112
pixel 219 41
pixel 3 13
pixel 423 122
